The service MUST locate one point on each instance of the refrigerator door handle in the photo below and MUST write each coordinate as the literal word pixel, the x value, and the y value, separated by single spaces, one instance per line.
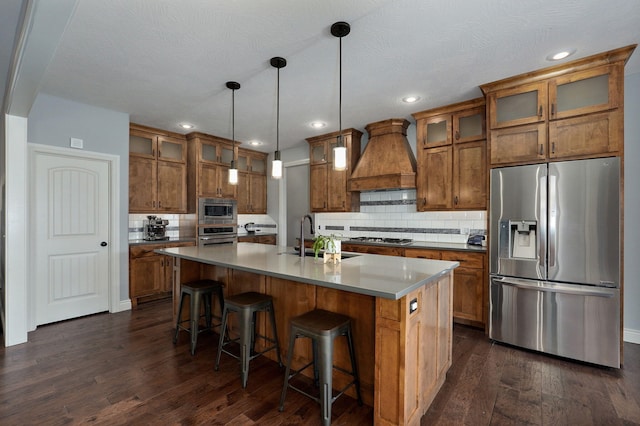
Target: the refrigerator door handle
pixel 553 219
pixel 542 220
pixel 555 288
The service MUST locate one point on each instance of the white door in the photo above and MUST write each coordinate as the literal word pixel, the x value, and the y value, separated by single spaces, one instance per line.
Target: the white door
pixel 70 213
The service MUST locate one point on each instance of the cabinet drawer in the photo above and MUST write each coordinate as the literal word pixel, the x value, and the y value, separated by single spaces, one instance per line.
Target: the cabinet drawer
pixel 467 260
pixel 363 248
pixel 422 253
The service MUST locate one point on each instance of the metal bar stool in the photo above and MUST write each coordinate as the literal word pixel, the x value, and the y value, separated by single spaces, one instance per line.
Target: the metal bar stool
pixel 322 327
pixel 247 305
pixel 198 292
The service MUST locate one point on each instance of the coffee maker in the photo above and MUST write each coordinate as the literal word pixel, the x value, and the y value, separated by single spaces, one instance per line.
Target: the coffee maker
pixel 155 228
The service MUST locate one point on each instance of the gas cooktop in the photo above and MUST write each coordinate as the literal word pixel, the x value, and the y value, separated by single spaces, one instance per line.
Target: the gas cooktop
pixel 378 240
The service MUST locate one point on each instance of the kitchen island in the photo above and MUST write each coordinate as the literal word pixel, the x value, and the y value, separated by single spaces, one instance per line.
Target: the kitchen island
pixel 401 310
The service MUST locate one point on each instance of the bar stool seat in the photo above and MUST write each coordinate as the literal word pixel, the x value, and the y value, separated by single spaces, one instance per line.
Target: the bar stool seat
pixel 322 327
pixel 201 291
pixel 247 305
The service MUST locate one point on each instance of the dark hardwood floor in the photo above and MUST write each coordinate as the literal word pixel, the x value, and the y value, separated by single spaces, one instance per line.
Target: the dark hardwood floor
pixel 123 369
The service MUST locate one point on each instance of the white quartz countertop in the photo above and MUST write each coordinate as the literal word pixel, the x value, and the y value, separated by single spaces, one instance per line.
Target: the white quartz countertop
pixel 389 277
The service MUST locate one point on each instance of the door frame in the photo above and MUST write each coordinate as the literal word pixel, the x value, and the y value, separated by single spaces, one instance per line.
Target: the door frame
pixel 282 200
pixel 113 162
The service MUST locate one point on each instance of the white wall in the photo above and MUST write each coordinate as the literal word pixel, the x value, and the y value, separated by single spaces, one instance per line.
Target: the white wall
pixel 632 208
pixel 53 121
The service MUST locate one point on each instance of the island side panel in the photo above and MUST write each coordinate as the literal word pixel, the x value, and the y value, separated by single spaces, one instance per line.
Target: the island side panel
pixel 361 309
pixel 291 299
pixel 413 352
pixel 184 271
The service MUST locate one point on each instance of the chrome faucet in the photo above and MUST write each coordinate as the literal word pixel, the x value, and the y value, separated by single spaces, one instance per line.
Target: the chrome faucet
pixel 302 232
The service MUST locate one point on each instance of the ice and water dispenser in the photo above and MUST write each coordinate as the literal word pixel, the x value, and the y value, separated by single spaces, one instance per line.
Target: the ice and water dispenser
pixel 517 239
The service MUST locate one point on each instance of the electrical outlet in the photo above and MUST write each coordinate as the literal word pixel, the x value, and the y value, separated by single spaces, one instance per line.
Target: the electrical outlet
pixel 413 306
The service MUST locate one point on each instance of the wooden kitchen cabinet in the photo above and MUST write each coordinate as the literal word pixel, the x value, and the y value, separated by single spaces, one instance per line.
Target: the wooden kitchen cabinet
pixel 214 182
pixel 209 160
pixel 252 182
pixel 451 157
pixel 372 249
pixel 260 239
pixel 470 289
pixel 157 171
pixel 328 187
pixel 565 112
pixel 150 273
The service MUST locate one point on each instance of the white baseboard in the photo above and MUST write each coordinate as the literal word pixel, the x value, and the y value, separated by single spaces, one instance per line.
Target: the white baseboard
pixel 632 336
pixel 124 305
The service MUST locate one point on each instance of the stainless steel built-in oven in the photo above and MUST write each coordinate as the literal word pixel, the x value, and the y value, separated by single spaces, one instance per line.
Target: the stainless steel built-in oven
pixel 223 234
pixel 214 211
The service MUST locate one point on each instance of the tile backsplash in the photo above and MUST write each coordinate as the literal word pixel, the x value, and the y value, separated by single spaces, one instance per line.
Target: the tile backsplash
pixel 179 225
pixel 392 214
pixel 183 225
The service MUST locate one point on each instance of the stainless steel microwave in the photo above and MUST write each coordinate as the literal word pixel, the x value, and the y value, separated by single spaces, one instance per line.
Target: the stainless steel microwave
pixel 214 211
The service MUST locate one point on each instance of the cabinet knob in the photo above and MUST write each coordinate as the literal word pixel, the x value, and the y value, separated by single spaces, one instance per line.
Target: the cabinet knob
pixel 455 200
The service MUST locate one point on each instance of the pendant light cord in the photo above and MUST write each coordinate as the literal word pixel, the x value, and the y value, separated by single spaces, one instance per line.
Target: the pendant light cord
pixel 340 99
pixel 278 113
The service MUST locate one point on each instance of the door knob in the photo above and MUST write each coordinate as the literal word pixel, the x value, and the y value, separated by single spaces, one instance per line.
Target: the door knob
pixel 103 244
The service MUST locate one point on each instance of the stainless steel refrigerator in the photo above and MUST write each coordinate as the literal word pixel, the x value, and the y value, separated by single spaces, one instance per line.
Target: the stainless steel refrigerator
pixel 555 258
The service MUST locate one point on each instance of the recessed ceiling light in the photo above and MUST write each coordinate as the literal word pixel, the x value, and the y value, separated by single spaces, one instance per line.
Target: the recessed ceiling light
pixel 561 55
pixel 255 143
pixel 318 124
pixel 411 99
pixel 186 125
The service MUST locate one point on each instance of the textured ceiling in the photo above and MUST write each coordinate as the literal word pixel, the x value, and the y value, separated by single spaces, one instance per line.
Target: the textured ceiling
pixel 166 62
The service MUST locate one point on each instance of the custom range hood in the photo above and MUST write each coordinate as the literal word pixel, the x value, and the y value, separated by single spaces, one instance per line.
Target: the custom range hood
pixel 387 161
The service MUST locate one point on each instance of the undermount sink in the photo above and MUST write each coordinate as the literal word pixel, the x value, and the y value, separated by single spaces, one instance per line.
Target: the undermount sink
pixel 310 253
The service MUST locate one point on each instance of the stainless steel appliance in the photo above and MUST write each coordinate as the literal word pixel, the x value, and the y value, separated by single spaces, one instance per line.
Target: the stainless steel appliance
pixel 213 211
pixel 155 228
pixel 211 235
pixel 555 258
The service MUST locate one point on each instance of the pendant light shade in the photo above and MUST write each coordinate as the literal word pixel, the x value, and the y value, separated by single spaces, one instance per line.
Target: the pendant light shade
pixel 233 170
pixel 276 165
pixel 340 29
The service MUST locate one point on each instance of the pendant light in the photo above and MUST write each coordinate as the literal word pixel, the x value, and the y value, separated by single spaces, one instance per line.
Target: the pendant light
pixel 233 170
pixel 340 29
pixel 276 165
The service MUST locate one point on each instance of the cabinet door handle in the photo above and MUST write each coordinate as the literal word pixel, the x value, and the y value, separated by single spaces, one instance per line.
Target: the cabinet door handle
pixel 154 204
pixel 553 107
pixel 159 204
pixel 457 135
pixel 455 200
pixel 540 111
pixel 553 147
pixel 541 149
pixel 153 152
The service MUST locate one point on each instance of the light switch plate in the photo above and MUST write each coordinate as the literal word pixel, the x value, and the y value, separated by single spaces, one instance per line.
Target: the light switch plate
pixel 77 143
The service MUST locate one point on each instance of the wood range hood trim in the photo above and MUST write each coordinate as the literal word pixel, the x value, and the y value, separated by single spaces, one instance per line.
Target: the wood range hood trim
pixel 387 161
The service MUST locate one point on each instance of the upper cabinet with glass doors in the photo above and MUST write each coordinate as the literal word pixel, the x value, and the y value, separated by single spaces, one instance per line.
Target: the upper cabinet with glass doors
pixel 157 171
pixel 568 111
